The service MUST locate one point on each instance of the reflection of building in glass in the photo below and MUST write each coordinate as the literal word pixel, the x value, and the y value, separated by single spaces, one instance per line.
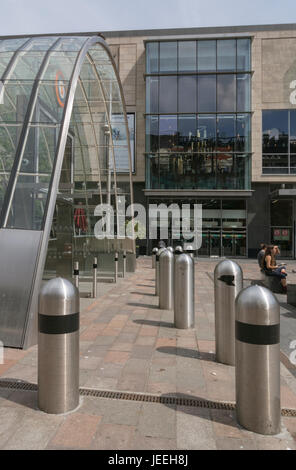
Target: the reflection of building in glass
pixel 59 96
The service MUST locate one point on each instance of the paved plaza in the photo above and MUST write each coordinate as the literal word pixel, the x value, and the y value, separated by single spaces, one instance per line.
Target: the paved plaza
pixel 128 344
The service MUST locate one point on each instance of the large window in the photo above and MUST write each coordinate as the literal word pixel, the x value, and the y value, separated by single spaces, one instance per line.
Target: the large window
pixel 279 141
pixel 198 97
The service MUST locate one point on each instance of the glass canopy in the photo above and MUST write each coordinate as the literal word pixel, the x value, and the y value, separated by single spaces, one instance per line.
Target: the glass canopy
pixel 63 127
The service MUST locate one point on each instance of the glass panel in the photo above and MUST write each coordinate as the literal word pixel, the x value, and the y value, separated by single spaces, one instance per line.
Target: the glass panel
pixel 277 164
pixel 243 93
pixel 293 131
pixel 152 134
pixel 60 66
pixel 15 100
pixel 187 94
pixel 206 98
pixel 152 179
pixel 168 132
pixel 226 93
pixel 293 164
pixel 27 65
pixel 168 95
pixel 281 213
pixel 152 57
pixel 42 44
pixel 12 44
pixel 275 131
pixel 51 101
pixel 206 54
pixel 206 133
pixel 187 133
pixel 225 132
pixel 187 56
pixel 226 54
pixel 243 133
pixel 152 94
pixel 168 56
pixel 72 44
pixel 29 202
pixel 282 237
pixel 243 54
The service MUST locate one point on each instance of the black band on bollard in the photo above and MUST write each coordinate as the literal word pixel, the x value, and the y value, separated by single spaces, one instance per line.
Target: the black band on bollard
pixel 76 272
pixel 157 257
pixel 115 259
pixel 95 266
pixel 257 334
pixel 58 324
pixel 124 256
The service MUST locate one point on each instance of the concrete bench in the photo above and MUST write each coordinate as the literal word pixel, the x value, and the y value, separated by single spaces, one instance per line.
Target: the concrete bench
pixel 271 282
pixel 291 294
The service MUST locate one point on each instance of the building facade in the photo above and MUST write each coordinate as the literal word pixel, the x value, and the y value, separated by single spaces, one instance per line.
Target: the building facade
pixel 214 113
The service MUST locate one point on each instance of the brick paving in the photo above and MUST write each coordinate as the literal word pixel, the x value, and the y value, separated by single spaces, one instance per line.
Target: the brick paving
pixel 129 344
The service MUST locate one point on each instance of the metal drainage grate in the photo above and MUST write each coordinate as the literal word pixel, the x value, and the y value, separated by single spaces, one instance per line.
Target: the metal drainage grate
pixel 141 397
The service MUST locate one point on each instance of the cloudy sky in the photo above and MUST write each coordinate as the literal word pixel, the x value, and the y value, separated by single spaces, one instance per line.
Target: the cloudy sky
pixel 51 16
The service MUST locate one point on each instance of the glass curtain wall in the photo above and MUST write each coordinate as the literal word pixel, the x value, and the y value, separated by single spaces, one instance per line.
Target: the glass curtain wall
pixel 36 76
pixel 198 114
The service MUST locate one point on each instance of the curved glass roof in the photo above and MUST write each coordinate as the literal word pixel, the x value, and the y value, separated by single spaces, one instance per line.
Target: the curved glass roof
pixel 51 88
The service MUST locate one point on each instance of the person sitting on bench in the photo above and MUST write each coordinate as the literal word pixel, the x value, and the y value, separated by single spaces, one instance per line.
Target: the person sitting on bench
pixel 271 269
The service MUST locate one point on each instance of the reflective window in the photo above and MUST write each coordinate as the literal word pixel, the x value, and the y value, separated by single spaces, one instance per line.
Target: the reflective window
pixel 186 133
pixel 206 133
pixel 168 94
pixel 152 57
pixel 243 54
pixel 243 92
pixel 206 56
pixel 226 54
pixel 275 131
pixel 243 133
pixel 168 129
pixel 206 93
pixel 226 93
pixel 152 94
pixel 293 131
pixel 225 132
pixel 152 134
pixel 187 56
pixel 187 94
pixel 168 56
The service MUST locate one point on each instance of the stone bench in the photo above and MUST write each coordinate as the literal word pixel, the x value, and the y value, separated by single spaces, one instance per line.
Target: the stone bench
pixel 271 282
pixel 291 294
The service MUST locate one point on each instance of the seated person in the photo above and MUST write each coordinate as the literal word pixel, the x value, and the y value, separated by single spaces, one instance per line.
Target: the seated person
pixel 271 269
pixel 260 255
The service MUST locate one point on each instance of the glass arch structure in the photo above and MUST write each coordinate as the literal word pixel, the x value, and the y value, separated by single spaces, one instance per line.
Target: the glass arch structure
pixel 63 129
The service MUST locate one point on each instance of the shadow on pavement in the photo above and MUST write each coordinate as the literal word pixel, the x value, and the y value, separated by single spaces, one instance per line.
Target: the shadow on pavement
pixel 138 304
pixel 143 293
pixel 154 323
pixel 26 396
pixel 204 356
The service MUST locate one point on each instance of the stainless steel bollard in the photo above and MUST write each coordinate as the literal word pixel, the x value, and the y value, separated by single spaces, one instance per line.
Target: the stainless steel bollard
pixel 95 272
pixel 116 267
pixel 190 251
pixel 178 250
pixel 124 263
pixel 58 347
pixel 154 253
pixel 228 282
pixel 157 270
pixel 166 280
pixel 76 274
pixel 171 249
pixel 257 351
pixel 184 306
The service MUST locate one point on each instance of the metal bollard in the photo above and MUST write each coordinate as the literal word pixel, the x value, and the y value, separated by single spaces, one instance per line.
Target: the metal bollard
pixel 171 249
pixel 166 280
pixel 116 267
pixel 95 271
pixel 58 347
pixel 76 274
pixel 190 251
pixel 124 262
pixel 154 253
pixel 178 250
pixel 228 282
pixel 157 270
pixel 184 314
pixel 257 351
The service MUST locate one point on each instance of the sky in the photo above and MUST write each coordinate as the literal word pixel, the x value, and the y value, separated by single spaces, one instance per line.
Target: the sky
pixel 63 16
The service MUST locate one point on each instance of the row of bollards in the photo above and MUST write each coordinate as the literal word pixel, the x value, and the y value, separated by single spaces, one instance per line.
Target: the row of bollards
pixel 95 272
pixel 247 330
pixel 174 284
